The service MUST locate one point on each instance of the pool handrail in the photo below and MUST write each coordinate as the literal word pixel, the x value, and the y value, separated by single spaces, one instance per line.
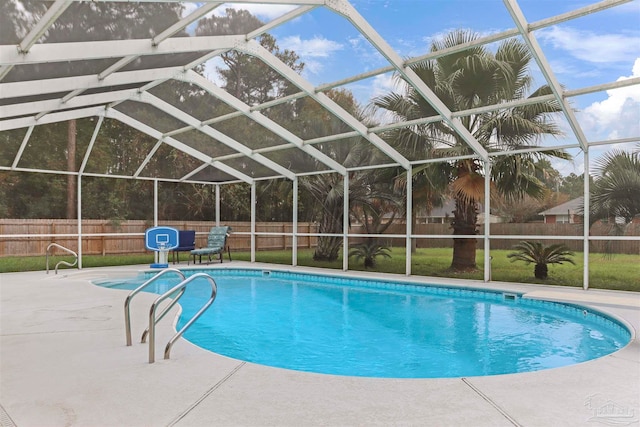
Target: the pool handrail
pixel 173 302
pixel 75 262
pixel 154 306
pixel 127 301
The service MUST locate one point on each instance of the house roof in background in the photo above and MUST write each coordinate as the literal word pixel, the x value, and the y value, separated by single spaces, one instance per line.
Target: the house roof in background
pixel 446 210
pixel 572 207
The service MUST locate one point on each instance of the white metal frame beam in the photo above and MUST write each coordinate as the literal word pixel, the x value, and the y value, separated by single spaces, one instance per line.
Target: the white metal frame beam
pixel 214 133
pixel 252 47
pixel 60 116
pixel 259 118
pixel 82 51
pixel 281 20
pixel 545 68
pixel 43 24
pixel 154 133
pixel 92 81
pixel 276 2
pixel 180 25
pixel 172 30
pixel 344 8
pixel 586 221
pixel 25 140
pixel 92 142
pixel 117 115
pixel 606 4
pixel 45 107
pixel 148 158
pixel 37 31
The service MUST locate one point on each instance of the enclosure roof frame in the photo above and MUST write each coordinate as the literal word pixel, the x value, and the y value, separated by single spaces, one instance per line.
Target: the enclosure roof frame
pixel 74 103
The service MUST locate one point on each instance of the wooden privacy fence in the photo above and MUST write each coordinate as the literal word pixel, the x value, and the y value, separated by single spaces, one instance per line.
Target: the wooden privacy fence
pixel 538 230
pixel 127 237
pixel 102 237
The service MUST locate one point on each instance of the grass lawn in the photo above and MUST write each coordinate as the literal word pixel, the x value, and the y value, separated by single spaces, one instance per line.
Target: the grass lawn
pixel 621 272
pixel 9 264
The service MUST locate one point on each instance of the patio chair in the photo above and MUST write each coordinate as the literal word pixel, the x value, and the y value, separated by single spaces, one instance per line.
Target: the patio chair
pixel 216 244
pixel 186 243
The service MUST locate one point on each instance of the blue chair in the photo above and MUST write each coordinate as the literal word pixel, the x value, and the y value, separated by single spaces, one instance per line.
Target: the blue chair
pixel 186 243
pixel 216 244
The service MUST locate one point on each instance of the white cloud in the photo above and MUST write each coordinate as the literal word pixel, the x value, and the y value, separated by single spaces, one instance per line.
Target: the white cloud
pixel 311 51
pixel 312 67
pixel 189 8
pixel 368 56
pixel 210 70
pixel 384 84
pixel 632 7
pixel 618 116
pixel 562 67
pixel 317 47
pixel 264 11
pixel 442 35
pixel 590 46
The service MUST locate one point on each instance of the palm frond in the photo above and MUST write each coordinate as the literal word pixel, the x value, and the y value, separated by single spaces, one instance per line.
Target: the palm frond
pixel 536 252
pixel 614 194
pixel 468 187
pixel 369 251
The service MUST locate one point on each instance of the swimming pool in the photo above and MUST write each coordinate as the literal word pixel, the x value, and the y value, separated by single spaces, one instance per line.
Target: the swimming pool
pixel 374 328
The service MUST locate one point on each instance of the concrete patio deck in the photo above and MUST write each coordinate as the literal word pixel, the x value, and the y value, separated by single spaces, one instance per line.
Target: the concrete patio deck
pixel 63 362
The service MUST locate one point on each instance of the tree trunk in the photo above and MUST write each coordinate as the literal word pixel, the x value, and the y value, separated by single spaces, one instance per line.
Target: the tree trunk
pixel 464 255
pixel 541 271
pixel 369 262
pixel 465 218
pixel 71 167
pixel 327 249
pixel 328 246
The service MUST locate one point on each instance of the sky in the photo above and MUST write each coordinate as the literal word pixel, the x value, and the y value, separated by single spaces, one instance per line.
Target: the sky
pixel 591 50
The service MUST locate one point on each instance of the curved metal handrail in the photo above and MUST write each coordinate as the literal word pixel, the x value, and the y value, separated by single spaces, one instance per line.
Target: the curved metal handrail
pixel 173 302
pixel 127 301
pixel 61 262
pixel 152 311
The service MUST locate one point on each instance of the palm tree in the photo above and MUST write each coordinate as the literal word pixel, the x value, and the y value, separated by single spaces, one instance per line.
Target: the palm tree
pixel 369 251
pixel 370 191
pixel 614 193
pixel 540 255
pixel 469 79
pixel 428 185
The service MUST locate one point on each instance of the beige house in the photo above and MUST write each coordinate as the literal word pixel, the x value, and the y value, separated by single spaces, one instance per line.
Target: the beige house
pixel 565 213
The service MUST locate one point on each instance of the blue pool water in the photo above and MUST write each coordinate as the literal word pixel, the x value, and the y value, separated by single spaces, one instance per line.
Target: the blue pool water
pixel 378 329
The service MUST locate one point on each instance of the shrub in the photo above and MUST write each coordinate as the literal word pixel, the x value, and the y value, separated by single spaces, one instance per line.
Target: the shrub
pixel 541 255
pixel 369 251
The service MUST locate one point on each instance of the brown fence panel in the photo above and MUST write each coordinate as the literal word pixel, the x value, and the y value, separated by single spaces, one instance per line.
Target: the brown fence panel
pixel 133 241
pixel 527 229
pixel 101 243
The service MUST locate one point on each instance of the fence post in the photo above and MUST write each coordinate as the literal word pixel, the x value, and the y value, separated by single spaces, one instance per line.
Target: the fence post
pixel 102 240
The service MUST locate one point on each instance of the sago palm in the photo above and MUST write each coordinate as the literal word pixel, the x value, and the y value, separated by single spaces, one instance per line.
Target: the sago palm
pixel 473 78
pixel 541 256
pixel 369 251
